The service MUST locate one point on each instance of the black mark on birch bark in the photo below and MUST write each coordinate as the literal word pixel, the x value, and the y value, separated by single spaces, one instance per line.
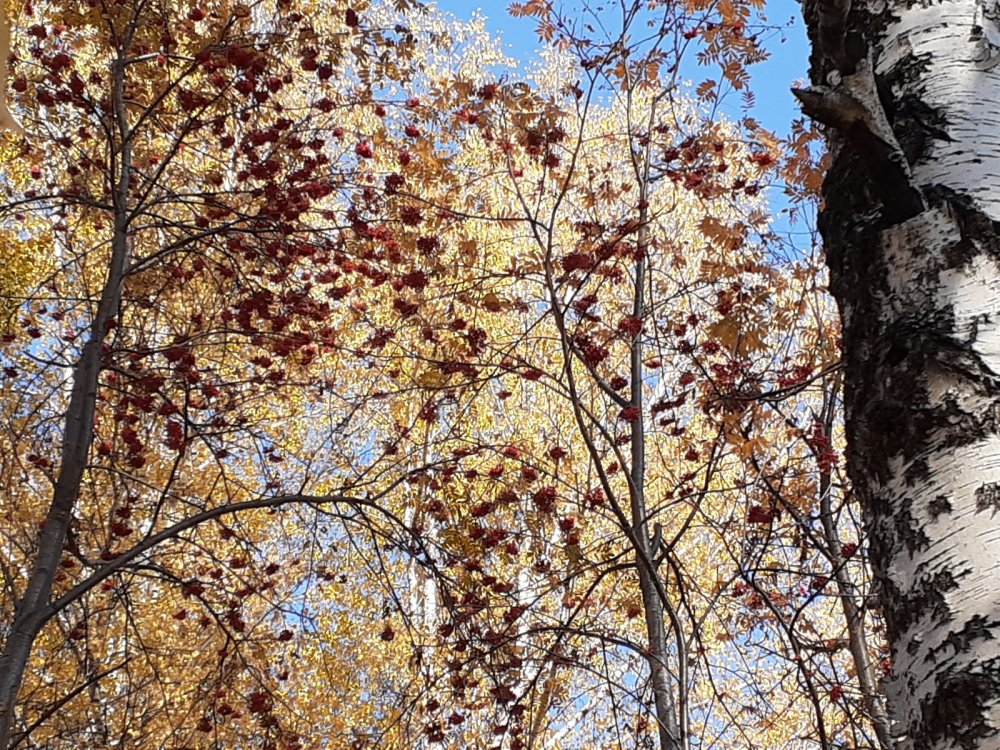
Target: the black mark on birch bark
pixel 940 504
pixel 924 600
pixel 957 712
pixel 979 628
pixel 988 498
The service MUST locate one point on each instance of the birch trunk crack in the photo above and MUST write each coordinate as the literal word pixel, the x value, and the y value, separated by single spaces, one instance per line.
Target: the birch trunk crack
pixel 911 229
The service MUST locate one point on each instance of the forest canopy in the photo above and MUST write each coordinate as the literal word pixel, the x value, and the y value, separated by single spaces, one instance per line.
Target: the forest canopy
pixel 362 388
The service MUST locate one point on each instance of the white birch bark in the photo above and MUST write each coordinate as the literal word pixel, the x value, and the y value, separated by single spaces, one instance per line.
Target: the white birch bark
pixel 960 42
pixel 918 283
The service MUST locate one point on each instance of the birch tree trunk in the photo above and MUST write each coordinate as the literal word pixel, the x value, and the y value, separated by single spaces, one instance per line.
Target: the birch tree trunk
pixel 910 94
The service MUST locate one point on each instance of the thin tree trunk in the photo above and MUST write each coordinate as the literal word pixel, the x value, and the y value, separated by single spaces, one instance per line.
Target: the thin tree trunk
pixel 854 616
pixel 32 608
pixel 910 92
pixel 672 732
pixel 653 607
pixel 7 121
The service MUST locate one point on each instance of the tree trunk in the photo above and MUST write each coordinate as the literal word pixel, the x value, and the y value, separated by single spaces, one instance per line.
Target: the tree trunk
pixel 7 121
pixel 854 616
pixel 910 93
pixel 32 609
pixel 653 605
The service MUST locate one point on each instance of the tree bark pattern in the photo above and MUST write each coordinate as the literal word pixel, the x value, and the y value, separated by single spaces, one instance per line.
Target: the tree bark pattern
pixel 918 286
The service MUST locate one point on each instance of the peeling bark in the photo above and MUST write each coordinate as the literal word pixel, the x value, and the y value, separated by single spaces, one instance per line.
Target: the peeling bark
pixel 911 227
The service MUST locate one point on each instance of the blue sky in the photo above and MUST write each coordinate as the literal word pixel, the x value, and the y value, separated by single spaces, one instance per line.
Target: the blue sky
pixel 772 80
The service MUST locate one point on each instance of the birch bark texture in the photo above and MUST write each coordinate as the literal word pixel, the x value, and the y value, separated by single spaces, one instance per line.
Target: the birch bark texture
pixel 910 93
